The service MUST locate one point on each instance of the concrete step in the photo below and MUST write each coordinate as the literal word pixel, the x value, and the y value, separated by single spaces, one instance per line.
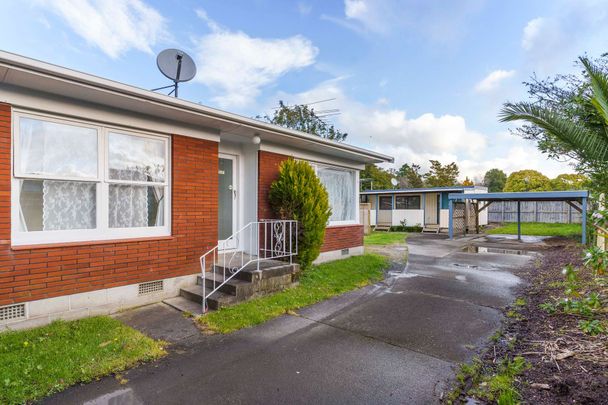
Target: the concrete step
pixel 240 288
pixel 215 301
pixel 184 305
pixel 266 269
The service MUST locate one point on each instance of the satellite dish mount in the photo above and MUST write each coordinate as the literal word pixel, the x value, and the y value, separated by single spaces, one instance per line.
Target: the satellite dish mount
pixel 175 65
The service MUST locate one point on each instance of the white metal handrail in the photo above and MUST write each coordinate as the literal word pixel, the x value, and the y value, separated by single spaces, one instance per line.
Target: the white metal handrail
pixel 257 241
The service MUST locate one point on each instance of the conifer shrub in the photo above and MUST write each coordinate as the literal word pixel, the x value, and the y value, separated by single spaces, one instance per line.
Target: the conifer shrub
pixel 299 194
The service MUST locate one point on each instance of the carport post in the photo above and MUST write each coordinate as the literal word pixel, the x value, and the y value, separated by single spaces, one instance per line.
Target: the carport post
pixel 451 218
pixel 584 221
pixel 518 220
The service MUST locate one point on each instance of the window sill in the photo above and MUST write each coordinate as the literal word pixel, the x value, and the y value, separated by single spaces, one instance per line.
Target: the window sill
pixel 92 242
pixel 343 225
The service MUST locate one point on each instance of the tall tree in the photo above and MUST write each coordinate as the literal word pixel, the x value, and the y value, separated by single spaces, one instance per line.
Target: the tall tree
pixel 409 176
pixel 527 180
pixel 376 178
pixel 568 118
pixel 569 181
pixel 495 180
pixel 441 175
pixel 468 182
pixel 303 118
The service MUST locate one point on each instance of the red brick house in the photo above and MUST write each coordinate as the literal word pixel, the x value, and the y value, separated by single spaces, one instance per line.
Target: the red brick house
pixel 104 186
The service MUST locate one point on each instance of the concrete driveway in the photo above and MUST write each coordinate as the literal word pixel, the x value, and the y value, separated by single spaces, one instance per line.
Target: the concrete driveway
pixel 394 342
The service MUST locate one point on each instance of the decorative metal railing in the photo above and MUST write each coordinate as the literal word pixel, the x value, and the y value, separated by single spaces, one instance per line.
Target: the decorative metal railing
pixel 255 242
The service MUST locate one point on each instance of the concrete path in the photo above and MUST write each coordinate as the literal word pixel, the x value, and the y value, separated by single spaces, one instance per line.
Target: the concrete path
pixel 395 342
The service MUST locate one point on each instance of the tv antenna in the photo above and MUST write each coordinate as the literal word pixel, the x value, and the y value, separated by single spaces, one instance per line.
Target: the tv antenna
pixel 175 65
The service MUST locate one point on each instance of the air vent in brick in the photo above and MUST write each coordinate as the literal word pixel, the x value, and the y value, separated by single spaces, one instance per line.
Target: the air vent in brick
pixel 12 312
pixel 150 287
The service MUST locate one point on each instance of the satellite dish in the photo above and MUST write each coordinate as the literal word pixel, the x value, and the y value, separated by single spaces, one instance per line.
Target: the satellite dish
pixel 176 65
pixel 394 182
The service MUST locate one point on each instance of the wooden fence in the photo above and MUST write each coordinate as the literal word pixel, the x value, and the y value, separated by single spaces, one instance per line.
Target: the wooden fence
pixel 365 217
pixel 534 211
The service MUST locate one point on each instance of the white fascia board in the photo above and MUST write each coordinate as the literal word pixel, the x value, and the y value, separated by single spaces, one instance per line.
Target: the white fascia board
pixel 27 100
pixel 310 156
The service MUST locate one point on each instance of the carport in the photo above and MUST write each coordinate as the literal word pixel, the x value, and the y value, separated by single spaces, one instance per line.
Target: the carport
pixel 570 197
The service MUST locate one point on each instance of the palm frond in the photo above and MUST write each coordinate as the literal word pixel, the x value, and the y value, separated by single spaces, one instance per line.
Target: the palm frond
pixel 588 144
pixel 599 84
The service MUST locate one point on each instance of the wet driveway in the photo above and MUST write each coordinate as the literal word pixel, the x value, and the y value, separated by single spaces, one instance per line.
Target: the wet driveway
pixel 394 342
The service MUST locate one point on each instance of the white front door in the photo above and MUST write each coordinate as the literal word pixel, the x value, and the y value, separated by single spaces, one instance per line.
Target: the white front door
pixel 227 204
pixel 431 209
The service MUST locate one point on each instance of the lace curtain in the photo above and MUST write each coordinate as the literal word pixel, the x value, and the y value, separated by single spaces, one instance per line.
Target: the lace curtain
pixel 128 206
pixel 340 186
pixel 68 205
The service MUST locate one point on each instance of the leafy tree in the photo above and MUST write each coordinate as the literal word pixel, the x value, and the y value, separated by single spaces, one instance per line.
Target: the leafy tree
pixel 441 175
pixel 527 180
pixel 299 194
pixel 495 180
pixel 376 177
pixel 303 118
pixel 569 181
pixel 568 118
pixel 468 182
pixel 409 176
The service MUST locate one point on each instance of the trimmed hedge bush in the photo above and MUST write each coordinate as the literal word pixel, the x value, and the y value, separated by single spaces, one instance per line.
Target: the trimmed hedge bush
pixel 299 194
pixel 400 228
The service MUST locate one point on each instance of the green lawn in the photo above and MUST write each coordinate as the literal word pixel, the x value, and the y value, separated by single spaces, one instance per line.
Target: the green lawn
pixel 316 284
pixel 384 238
pixel 539 229
pixel 38 362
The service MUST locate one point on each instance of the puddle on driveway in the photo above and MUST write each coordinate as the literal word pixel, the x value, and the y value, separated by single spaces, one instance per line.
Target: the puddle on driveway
pixel 485 249
pixel 124 396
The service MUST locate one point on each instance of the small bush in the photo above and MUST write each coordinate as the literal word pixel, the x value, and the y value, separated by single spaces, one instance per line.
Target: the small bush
pixel 299 194
pixel 401 228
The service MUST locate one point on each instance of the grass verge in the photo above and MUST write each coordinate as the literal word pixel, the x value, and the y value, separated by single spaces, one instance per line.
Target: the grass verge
pixel 384 238
pixel 316 284
pixel 539 229
pixel 38 362
pixel 496 383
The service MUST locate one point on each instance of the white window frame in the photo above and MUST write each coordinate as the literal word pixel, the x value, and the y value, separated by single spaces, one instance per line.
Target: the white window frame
pixel 354 221
pixel 102 231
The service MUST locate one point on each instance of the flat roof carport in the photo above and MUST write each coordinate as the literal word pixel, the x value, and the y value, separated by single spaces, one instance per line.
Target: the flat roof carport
pixel 580 196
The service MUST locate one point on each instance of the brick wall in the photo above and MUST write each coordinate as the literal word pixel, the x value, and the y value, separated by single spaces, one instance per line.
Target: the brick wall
pixel 342 237
pixel 35 273
pixel 268 171
pixel 336 237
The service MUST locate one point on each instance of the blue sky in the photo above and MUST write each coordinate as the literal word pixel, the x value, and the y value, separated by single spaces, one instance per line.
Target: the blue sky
pixel 418 80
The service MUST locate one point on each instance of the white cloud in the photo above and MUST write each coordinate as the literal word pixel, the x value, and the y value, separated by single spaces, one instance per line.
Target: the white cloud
pixel 437 21
pixel 115 26
pixel 493 80
pixel 567 30
pixel 236 66
pixel 446 137
pixel 304 8
pixel 532 32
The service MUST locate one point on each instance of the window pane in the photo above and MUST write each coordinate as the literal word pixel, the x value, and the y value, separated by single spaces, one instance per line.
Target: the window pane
pixel 136 206
pixel 407 202
pixel 48 148
pixel 386 203
pixel 47 205
pixel 340 186
pixel 136 158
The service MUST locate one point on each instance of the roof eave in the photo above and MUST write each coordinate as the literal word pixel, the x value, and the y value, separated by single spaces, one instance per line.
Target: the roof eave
pixel 13 61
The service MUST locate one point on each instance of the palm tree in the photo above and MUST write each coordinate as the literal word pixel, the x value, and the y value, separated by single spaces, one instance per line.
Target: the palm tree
pixel 586 140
